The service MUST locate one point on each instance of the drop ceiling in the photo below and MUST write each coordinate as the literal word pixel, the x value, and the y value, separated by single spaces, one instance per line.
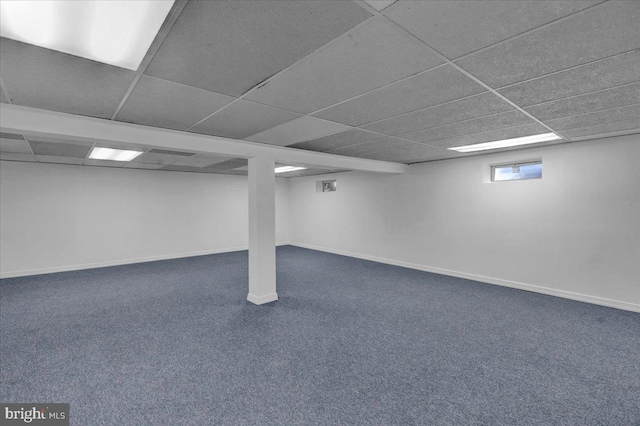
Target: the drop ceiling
pixel 393 81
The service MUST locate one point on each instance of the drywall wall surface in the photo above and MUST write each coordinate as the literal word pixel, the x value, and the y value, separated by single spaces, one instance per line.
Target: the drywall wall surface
pixel 574 233
pixel 61 217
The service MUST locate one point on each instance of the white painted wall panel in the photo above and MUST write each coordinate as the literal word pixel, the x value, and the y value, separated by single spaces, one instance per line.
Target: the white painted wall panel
pixel 573 233
pixel 59 217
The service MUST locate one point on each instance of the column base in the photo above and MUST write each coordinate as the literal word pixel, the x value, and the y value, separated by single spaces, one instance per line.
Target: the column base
pixel 261 300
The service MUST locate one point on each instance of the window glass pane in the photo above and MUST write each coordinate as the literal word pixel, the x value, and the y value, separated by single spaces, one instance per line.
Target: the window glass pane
pixel 517 172
pixel 329 186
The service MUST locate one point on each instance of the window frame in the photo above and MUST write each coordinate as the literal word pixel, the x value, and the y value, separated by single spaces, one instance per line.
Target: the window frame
pixel 492 170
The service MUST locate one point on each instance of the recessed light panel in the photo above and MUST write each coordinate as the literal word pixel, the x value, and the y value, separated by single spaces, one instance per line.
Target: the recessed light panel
pixel 506 143
pixel 285 169
pixel 114 32
pixel 113 154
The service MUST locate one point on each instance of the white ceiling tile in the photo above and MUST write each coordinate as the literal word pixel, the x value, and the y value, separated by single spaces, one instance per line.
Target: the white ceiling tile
pixel 451 112
pixel 162 103
pixel 370 57
pixel 199 161
pixel 366 147
pixel 429 88
pixel 605 30
pixel 17 156
pixel 589 102
pixel 56 148
pixel 42 78
pixel 161 157
pixel 298 130
pixel 14 145
pixel 242 119
pixel 380 5
pixel 595 118
pixel 104 163
pixel 230 46
pixel 146 166
pixel 338 140
pixel 608 133
pixel 59 160
pixel 455 28
pixel 616 71
pixel 630 126
pixel 483 124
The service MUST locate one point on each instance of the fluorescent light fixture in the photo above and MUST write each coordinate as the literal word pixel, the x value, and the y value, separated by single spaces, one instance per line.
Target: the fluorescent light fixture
pixel 115 32
pixel 113 154
pixel 285 169
pixel 526 140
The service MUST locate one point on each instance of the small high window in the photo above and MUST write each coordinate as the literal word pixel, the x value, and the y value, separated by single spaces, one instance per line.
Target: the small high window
pixel 329 186
pixel 516 171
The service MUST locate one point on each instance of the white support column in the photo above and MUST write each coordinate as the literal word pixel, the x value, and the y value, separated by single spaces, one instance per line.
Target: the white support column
pixel 262 231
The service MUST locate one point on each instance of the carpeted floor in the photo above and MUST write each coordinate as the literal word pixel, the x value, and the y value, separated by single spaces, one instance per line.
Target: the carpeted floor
pixel 349 342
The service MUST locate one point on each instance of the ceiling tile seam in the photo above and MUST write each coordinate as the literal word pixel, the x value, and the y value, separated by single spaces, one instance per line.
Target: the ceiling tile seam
pixel 425 108
pixel 126 96
pixel 306 140
pixel 628 132
pixel 3 88
pixel 474 78
pixel 213 113
pixel 309 56
pixel 354 145
pixel 29 145
pixel 379 88
pixel 16 161
pixel 583 94
pixel 297 118
pixel 478 133
pixel 452 124
pixel 162 34
pixel 375 151
pixel 528 32
pixel 440 159
pixel 285 70
pixel 594 111
pixel 437 148
pixel 387 9
pixel 166 26
pixel 604 124
pixel 569 69
pixel 382 135
pixel 366 7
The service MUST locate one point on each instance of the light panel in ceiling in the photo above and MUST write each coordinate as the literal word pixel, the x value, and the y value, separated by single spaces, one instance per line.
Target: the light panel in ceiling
pixel 506 143
pixel 98 153
pixel 113 32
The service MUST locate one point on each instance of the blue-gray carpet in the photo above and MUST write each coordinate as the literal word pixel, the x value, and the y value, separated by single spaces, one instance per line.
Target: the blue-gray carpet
pixel 349 342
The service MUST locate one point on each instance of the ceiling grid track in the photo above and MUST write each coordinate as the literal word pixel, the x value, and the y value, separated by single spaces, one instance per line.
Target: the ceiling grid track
pixel 172 17
pixel 505 105
pixel 3 87
pixel 284 71
pixel 526 33
pixel 460 69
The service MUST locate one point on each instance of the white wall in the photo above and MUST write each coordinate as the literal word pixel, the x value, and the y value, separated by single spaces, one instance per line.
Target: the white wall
pixel 59 217
pixel 575 233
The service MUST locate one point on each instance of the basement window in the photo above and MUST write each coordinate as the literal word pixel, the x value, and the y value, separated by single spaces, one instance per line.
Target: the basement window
pixel 329 186
pixel 516 171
